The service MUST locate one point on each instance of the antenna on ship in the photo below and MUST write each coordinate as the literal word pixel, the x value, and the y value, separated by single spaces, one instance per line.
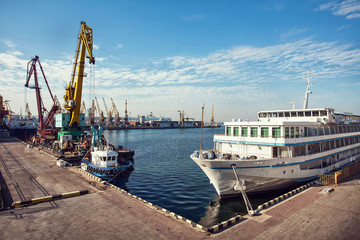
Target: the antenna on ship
pixel 306 99
pixel 292 104
pixel 202 123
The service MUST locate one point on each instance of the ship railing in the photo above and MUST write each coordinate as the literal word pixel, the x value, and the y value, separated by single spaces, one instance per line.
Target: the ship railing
pixel 335 177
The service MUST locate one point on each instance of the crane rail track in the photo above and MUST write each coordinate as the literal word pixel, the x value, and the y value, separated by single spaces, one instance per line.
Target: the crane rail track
pixel 6 153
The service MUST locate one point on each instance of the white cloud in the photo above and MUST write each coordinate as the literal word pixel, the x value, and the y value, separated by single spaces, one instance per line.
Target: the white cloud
pixel 119 46
pixel 348 8
pixel 9 43
pixel 96 47
pixel 240 74
pixel 342 27
pixel 292 33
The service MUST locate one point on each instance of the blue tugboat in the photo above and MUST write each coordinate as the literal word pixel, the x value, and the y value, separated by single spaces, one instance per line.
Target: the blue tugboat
pixel 102 161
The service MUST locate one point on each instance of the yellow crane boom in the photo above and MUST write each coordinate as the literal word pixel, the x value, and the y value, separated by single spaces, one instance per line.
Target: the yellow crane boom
pixel 74 90
pixel 109 113
pixel 101 113
pixel 117 114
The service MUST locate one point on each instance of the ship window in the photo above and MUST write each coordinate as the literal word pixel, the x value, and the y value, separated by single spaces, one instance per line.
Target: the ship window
pixel 274 114
pixel 287 132
pixel 307 114
pixel 297 132
pixel 236 131
pixel 323 113
pixel 109 158
pixel 254 132
pixel 228 131
pixel 276 132
pixel 315 113
pixel 113 157
pixel 315 164
pixel 264 132
pixel 292 132
pixel 300 114
pixel 269 115
pixel 244 131
pixel 287 114
pixel 293 114
pixel 281 114
pixel 104 159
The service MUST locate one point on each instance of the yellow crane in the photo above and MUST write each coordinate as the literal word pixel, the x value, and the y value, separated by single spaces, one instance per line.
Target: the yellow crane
pixel 212 116
pixel 101 113
pixel 183 118
pixel 109 113
pixel 72 123
pixel 117 114
pixel 8 108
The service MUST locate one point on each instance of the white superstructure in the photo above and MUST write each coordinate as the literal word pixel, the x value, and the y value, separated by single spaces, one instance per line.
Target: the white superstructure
pixel 282 148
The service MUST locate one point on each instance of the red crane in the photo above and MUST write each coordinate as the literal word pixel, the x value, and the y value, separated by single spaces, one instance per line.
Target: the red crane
pixel 47 128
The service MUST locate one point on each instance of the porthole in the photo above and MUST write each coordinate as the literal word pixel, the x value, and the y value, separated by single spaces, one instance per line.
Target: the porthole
pixel 284 172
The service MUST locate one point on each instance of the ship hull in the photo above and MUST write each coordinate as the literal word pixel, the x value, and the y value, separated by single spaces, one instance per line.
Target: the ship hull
pixel 258 177
pixel 115 175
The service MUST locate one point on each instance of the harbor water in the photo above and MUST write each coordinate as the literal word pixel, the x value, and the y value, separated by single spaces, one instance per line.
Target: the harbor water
pixel 166 176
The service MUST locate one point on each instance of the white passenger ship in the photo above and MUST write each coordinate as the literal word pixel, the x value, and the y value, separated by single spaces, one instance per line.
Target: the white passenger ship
pixel 283 148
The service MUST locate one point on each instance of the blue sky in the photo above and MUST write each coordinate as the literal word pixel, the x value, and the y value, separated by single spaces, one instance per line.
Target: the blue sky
pixel 165 56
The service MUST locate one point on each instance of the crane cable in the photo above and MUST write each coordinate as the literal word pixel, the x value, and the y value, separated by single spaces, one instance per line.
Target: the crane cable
pixel 92 84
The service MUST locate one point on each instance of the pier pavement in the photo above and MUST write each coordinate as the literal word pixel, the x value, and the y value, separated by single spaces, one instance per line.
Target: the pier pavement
pixel 107 213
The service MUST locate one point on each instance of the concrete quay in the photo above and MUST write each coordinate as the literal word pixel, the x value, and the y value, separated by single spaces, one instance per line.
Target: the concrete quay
pixel 108 213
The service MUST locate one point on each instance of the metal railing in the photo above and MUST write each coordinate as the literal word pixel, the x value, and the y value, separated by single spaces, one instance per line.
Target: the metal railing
pixel 338 176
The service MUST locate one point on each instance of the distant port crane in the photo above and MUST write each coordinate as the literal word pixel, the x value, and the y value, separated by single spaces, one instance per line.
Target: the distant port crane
pixel 101 113
pixel 8 109
pixel 109 114
pixel 27 111
pixel 116 112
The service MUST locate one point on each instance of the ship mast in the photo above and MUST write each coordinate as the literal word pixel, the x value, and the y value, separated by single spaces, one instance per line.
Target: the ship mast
pixel 201 134
pixel 306 99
